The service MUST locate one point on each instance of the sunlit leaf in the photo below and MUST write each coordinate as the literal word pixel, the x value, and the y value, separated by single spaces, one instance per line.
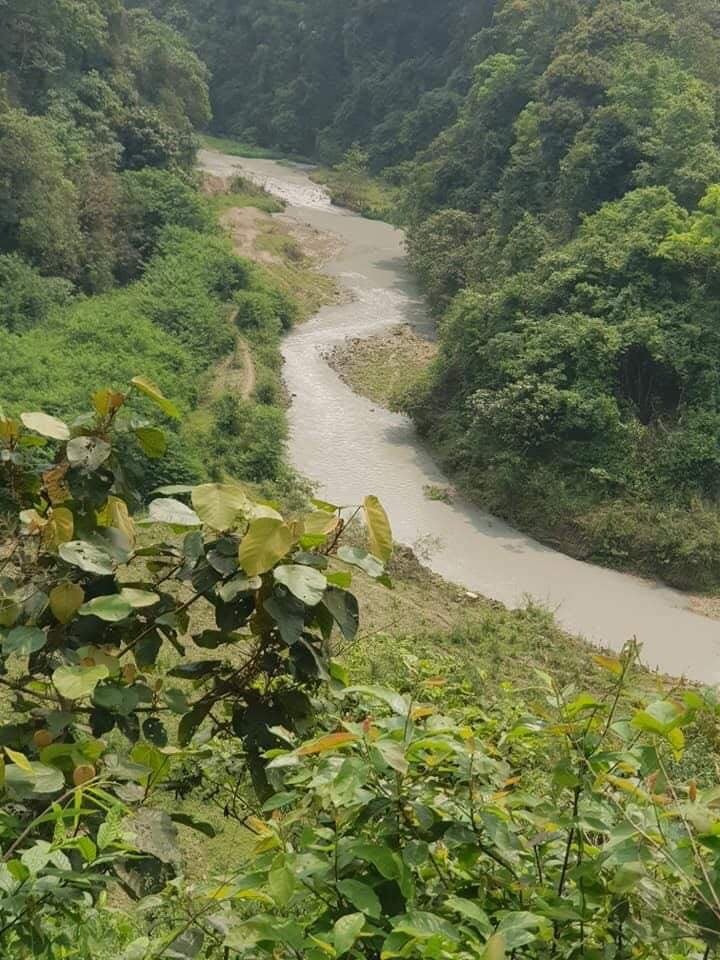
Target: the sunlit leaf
pixel 380 533
pixel 87 557
pixel 74 683
pixel 305 583
pixel 152 440
pixel 332 741
pixel 111 608
pixel 266 542
pixel 173 512
pixel 153 392
pixel 220 505
pixel 46 425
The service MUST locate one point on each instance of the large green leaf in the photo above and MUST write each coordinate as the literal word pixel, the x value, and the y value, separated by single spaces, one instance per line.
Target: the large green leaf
pixel 40 779
pixel 87 557
pixel 346 931
pixel 362 559
pixel 343 608
pixel 152 440
pixel 472 912
pixel 173 512
pixel 220 505
pixel 112 608
pixel 288 613
pixel 362 896
pixel 24 641
pixel 155 394
pixel 46 425
pixel 380 533
pixel 424 925
pixel 74 683
pixel 305 583
pixel 267 541
pixel 397 703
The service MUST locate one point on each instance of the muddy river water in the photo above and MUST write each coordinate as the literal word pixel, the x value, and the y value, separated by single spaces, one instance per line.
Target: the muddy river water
pixel 354 447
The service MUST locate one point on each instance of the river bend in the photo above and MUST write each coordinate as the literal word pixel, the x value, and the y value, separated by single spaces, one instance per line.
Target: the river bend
pixel 353 447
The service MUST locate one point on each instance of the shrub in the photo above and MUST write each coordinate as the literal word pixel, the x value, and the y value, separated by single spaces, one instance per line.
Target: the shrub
pixel 26 297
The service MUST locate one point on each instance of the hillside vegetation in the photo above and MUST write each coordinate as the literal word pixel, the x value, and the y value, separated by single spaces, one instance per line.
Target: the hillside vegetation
pixel 557 166
pixel 237 723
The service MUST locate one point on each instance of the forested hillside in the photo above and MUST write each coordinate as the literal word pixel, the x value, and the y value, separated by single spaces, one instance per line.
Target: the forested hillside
pixel 240 723
pixel 92 94
pixel 314 76
pixel 557 164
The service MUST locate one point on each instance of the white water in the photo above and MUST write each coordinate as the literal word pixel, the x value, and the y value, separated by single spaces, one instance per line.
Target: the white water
pixel 354 448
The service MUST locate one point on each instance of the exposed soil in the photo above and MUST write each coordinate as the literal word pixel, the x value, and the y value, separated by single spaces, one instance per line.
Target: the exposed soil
pixel 246 225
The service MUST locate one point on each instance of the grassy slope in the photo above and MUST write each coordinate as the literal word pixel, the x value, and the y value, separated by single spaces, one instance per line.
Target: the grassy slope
pixel 373 198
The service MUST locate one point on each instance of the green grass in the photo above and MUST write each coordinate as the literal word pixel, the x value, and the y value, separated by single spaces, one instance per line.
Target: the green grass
pixel 236 148
pixel 369 196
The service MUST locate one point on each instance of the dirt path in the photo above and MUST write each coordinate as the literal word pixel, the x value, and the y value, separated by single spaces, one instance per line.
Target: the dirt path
pixel 236 373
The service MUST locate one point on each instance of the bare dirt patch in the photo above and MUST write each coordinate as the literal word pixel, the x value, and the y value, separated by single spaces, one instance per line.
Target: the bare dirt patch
pixel 246 225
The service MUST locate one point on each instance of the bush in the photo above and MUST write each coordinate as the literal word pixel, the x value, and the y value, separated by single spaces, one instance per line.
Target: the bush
pixel 262 307
pixel 150 201
pixel 26 297
pixel 99 690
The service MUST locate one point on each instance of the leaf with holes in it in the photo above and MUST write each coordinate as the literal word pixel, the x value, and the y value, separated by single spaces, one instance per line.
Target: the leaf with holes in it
pixel 112 608
pixel 46 425
pixel 305 583
pixel 267 541
pixel 74 683
pixel 220 505
pixel 87 557
pixel 65 601
pixel 23 641
pixel 87 453
pixel 154 393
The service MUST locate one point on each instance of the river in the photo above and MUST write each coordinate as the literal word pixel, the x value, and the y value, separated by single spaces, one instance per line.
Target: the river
pixel 353 447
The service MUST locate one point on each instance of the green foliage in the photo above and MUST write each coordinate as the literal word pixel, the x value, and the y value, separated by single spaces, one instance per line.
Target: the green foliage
pixel 26 297
pixel 99 618
pixel 94 88
pixel 150 201
pixel 418 824
pixel 313 77
pixel 350 185
pixel 588 366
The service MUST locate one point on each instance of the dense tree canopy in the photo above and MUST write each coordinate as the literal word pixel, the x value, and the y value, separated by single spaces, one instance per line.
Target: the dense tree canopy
pixel 89 89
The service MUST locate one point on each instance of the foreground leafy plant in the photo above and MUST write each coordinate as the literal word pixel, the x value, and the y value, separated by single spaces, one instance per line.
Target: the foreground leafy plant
pixel 213 611
pixel 401 831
